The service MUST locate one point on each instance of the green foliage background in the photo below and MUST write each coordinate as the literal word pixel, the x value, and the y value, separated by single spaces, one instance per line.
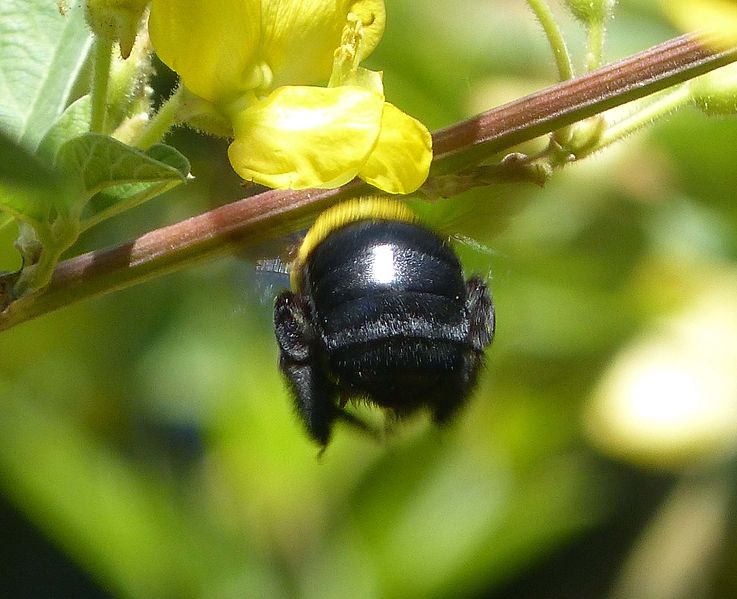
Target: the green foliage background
pixel 149 435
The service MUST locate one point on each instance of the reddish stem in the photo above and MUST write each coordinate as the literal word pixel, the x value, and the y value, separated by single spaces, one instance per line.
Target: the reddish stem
pixel 269 215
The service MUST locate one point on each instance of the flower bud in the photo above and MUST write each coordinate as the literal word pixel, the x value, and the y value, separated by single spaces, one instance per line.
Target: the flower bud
pixel 117 20
pixel 591 11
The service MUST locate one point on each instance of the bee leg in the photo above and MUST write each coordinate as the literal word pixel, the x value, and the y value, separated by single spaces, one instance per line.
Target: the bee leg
pixel 314 398
pixel 314 395
pixel 454 394
pixel 480 310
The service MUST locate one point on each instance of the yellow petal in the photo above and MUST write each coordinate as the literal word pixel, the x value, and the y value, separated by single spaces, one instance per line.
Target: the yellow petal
pixel 302 137
pixel 300 36
pixel 213 45
pixel 401 159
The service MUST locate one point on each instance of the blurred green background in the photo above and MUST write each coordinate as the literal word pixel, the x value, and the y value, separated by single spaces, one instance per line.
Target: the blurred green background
pixel 148 438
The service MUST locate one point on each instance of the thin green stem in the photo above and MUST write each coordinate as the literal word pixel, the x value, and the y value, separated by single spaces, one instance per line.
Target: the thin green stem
pixel 664 105
pixel 470 142
pixel 102 58
pixel 595 46
pixel 165 118
pixel 555 38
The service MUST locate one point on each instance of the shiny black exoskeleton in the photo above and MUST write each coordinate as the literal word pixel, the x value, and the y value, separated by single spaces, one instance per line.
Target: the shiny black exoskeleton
pixel 382 313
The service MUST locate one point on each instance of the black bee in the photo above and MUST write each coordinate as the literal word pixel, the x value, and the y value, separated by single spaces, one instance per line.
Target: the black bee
pixel 379 310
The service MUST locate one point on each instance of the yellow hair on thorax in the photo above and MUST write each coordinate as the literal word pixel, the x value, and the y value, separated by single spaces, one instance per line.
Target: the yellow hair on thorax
pixel 340 215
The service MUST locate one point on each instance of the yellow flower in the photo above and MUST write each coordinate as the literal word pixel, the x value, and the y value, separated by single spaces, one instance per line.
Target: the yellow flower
pixel 257 62
pixel 709 15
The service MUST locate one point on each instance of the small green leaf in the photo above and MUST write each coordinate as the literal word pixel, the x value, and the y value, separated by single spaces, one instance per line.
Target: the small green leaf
pixel 170 157
pixel 120 198
pixel 41 55
pixel 73 122
pixel 591 11
pixel 115 177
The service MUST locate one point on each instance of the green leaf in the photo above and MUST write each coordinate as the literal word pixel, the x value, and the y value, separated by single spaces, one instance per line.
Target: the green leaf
pixel 73 122
pixel 28 188
pixel 115 177
pixel 120 198
pixel 41 55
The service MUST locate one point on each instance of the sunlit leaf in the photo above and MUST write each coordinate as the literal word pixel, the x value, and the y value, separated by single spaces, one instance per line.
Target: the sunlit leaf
pixel 41 55
pixel 101 163
pixel 74 121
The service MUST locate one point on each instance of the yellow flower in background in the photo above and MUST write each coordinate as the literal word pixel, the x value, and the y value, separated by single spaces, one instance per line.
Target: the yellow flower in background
pixel 257 62
pixel 694 15
pixel 669 399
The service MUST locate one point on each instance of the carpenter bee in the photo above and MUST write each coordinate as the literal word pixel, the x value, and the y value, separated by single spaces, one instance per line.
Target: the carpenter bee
pixel 379 310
